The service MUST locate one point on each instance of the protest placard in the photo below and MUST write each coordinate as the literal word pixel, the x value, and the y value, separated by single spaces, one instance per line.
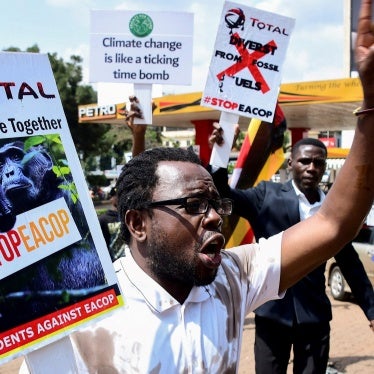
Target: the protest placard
pixel 245 70
pixel 143 48
pixel 55 270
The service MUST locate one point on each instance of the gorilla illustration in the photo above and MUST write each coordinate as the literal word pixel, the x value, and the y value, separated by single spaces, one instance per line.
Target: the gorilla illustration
pixel 27 180
pixel 27 183
pixel 7 218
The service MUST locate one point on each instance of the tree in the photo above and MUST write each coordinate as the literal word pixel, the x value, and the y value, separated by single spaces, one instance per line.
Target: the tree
pixel 121 139
pixel 89 139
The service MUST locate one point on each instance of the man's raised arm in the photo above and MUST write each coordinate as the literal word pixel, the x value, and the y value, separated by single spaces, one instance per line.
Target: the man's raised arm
pixel 315 240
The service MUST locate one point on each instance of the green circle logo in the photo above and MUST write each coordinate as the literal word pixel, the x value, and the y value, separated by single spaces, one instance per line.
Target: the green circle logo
pixel 141 25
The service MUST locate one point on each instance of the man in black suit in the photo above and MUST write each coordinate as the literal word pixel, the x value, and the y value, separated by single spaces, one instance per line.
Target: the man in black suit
pixel 302 318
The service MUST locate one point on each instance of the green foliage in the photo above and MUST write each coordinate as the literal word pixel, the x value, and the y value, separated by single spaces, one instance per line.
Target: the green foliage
pixel 287 141
pixel 121 139
pixel 32 49
pixel 72 188
pixel 89 139
pixel 240 140
pixel 100 211
pixel 230 167
pixel 52 143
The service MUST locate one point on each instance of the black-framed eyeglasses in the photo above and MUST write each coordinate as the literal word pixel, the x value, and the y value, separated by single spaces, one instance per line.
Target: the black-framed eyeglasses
pixel 197 205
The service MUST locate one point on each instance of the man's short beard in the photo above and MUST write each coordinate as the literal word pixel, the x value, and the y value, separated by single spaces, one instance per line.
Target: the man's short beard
pixel 170 264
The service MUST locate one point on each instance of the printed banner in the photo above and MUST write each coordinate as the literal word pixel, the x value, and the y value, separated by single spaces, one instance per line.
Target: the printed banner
pixel 55 269
pixel 245 70
pixel 141 47
pixel 45 229
pixel 28 334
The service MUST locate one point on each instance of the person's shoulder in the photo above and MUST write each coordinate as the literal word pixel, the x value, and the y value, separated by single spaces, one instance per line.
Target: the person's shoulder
pixel 268 185
pixel 277 185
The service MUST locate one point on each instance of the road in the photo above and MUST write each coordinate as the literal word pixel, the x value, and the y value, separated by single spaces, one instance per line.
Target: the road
pixel 352 342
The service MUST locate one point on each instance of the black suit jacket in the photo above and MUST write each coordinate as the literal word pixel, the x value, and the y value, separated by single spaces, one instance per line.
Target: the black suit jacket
pixel 273 207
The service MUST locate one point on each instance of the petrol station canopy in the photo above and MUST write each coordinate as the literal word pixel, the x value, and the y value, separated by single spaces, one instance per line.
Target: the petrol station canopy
pixel 315 105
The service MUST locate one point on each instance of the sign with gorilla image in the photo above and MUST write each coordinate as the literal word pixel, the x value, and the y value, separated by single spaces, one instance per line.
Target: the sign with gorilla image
pixel 53 277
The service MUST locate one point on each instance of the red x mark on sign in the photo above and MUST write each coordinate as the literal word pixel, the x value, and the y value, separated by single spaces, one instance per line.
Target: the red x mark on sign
pixel 247 62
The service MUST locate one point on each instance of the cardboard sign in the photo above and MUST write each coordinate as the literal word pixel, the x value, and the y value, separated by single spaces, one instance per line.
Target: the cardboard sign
pixel 55 270
pixel 245 70
pixel 141 47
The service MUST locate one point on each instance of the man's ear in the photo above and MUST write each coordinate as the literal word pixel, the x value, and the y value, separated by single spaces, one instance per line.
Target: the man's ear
pixel 135 221
pixel 289 161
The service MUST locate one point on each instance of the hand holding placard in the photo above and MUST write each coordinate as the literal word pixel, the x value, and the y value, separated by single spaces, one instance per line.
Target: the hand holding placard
pixel 245 70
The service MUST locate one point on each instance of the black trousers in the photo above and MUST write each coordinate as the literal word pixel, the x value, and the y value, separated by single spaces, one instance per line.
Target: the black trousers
pixel 273 343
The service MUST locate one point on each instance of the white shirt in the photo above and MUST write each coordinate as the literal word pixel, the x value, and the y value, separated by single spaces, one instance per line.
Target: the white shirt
pixel 306 209
pixel 156 334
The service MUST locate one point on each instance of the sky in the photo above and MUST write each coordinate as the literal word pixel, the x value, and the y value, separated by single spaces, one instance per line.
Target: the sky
pixel 316 50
